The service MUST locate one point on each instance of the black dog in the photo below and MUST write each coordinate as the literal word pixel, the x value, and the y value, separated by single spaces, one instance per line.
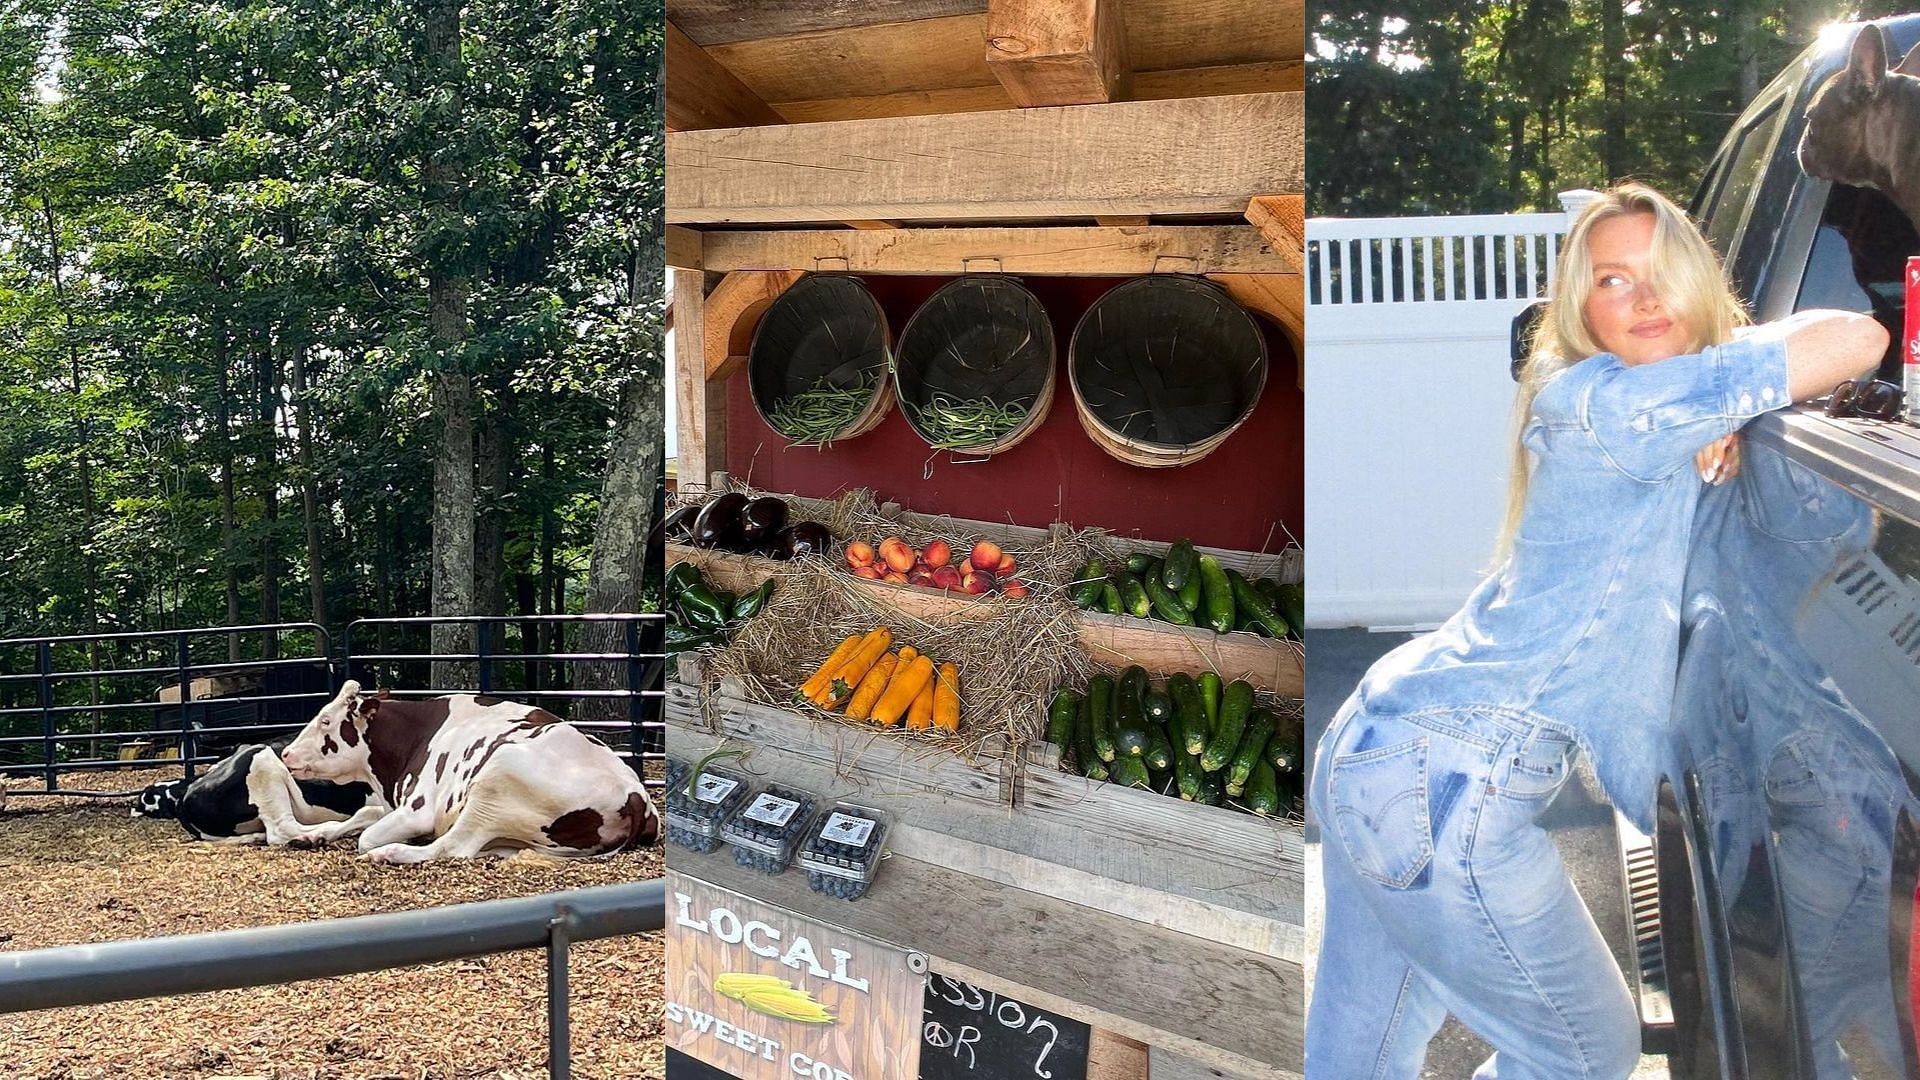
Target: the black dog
pixel 1863 127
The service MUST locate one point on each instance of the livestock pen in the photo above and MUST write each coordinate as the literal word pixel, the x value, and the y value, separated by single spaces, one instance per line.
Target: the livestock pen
pixel 83 870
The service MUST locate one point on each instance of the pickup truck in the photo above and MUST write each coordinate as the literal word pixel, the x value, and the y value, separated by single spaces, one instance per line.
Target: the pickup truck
pixel 1774 908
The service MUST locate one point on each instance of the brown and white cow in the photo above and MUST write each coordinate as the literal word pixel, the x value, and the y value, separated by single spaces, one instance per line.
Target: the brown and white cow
pixel 476 774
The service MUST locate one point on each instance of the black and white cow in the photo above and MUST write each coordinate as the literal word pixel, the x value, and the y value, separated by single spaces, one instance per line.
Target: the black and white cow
pixel 248 797
pixel 475 775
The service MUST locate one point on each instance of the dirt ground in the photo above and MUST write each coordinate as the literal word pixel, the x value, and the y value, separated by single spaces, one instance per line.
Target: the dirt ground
pixel 86 871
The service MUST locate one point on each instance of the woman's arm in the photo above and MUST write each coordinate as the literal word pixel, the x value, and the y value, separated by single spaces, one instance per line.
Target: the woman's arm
pixel 1826 348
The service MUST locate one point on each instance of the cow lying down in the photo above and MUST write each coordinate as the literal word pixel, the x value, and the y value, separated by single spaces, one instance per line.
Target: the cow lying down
pixel 470 775
pixel 249 797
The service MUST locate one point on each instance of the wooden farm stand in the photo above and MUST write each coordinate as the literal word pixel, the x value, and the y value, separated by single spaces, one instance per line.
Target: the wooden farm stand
pixel 1038 138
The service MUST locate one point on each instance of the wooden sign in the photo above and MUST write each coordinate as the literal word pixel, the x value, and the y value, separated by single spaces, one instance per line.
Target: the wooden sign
pixel 765 994
pixel 967 1033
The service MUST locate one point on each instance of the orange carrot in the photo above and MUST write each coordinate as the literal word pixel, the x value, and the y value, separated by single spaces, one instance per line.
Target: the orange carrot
pixel 946 699
pixel 871 687
pixel 899 696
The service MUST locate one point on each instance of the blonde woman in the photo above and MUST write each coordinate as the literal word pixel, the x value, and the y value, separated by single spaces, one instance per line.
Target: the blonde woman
pixel 1443 895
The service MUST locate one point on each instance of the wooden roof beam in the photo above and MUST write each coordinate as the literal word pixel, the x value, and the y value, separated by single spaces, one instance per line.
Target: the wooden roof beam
pixel 1282 219
pixel 1066 250
pixel 702 94
pixel 1057 52
pixel 1178 156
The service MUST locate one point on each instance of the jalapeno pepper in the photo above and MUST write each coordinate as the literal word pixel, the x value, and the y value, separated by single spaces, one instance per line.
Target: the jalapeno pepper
pixel 749 605
pixel 702 608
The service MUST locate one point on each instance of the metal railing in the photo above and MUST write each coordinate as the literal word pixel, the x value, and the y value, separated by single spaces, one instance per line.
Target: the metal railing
pixel 90 689
pixel 275 955
pixel 533 658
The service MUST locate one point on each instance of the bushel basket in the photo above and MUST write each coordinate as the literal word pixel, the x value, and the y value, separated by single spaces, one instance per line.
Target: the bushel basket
pixel 974 370
pixel 817 366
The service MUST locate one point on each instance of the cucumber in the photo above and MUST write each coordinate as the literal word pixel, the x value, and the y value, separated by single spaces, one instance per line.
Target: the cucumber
pixel 1210 696
pixel 1180 565
pixel 1110 601
pixel 1133 597
pixel 1159 753
pixel 1167 605
pixel 1217 612
pixel 1138 562
pixel 1188 776
pixel 1085 590
pixel 1283 750
pixel 1292 606
pixel 1252 745
pixel 1129 713
pixel 1189 595
pixel 1191 729
pixel 1060 719
pixel 1083 755
pixel 1249 598
pixel 1269 588
pixel 1263 790
pixel 1159 706
pixel 1099 717
pixel 1131 772
pixel 1235 704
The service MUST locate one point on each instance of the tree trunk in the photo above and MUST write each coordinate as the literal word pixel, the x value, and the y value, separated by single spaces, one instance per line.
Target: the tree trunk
pixel 494 459
pixel 309 489
pixel 266 466
pixel 1613 77
pixel 229 552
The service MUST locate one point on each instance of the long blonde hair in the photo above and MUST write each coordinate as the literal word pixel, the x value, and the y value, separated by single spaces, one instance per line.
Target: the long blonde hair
pixel 1687 276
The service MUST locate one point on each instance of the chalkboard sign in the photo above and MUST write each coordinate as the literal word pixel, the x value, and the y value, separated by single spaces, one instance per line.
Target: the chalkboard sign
pixel 974 1034
pixel 682 1067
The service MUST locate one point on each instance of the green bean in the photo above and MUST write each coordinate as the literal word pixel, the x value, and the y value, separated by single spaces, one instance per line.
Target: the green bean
pixel 819 414
pixel 952 424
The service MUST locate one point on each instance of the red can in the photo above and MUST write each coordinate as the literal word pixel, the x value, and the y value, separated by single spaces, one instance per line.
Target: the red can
pixel 1910 342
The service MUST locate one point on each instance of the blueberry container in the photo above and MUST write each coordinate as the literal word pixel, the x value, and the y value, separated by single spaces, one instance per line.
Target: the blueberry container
pixel 693 819
pixel 842 852
pixel 765 830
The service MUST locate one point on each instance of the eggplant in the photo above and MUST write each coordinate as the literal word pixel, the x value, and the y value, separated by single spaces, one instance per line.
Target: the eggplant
pixel 808 538
pixel 719 522
pixel 772 546
pixel 679 524
pixel 762 518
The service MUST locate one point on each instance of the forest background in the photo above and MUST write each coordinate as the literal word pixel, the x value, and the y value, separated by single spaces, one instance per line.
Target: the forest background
pixel 1472 107
pixel 323 309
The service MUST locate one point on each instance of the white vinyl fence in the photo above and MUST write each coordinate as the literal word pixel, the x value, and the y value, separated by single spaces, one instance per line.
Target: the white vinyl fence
pixel 1408 405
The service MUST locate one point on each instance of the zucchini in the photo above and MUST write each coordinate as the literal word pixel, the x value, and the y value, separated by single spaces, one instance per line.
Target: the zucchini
pixel 1085 590
pixel 1110 601
pixel 1159 753
pixel 1263 790
pixel 1099 717
pixel 1133 597
pixel 1083 755
pixel 1249 598
pixel 1161 780
pixel 1129 714
pixel 1235 704
pixel 1138 562
pixel 1252 745
pixel 1212 792
pixel 1192 729
pixel 1217 614
pixel 1131 771
pixel 1180 565
pixel 1283 750
pixel 1060 719
pixel 1188 775
pixel 1167 605
pixel 1210 696
pixel 1158 705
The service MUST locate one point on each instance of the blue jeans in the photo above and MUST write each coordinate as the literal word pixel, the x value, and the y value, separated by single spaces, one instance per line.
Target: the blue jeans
pixel 1443 895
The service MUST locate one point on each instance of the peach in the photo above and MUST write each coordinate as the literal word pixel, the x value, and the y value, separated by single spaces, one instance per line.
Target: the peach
pixel 870 572
pixel 1005 566
pixel 966 567
pixel 918 576
pixel 937 554
pixel 896 577
pixel 1014 588
pixel 899 555
pixel 986 555
pixel 859 554
pixel 947 577
pixel 980 581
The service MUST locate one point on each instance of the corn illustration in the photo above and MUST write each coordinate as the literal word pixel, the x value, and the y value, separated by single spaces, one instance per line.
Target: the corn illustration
pixel 771 996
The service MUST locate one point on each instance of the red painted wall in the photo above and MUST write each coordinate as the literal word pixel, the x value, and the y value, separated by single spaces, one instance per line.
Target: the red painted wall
pixel 1237 497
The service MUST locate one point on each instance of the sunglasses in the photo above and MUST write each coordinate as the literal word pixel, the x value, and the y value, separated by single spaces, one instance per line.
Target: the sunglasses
pixel 1876 400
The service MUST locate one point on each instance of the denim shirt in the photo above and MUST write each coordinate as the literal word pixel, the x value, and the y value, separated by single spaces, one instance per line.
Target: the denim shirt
pixel 1580 626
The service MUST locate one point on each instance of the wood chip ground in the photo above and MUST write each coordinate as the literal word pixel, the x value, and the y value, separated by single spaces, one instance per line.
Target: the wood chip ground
pixel 80 871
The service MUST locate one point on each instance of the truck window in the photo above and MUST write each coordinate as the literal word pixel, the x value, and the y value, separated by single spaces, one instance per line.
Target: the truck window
pixel 1747 164
pixel 1859 260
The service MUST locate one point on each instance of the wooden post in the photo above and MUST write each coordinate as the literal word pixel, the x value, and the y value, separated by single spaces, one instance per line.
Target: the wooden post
pixel 732 311
pixel 702 405
pixel 1057 52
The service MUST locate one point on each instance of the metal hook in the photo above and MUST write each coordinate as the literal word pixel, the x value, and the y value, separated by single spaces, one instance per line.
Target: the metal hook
pixel 998 266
